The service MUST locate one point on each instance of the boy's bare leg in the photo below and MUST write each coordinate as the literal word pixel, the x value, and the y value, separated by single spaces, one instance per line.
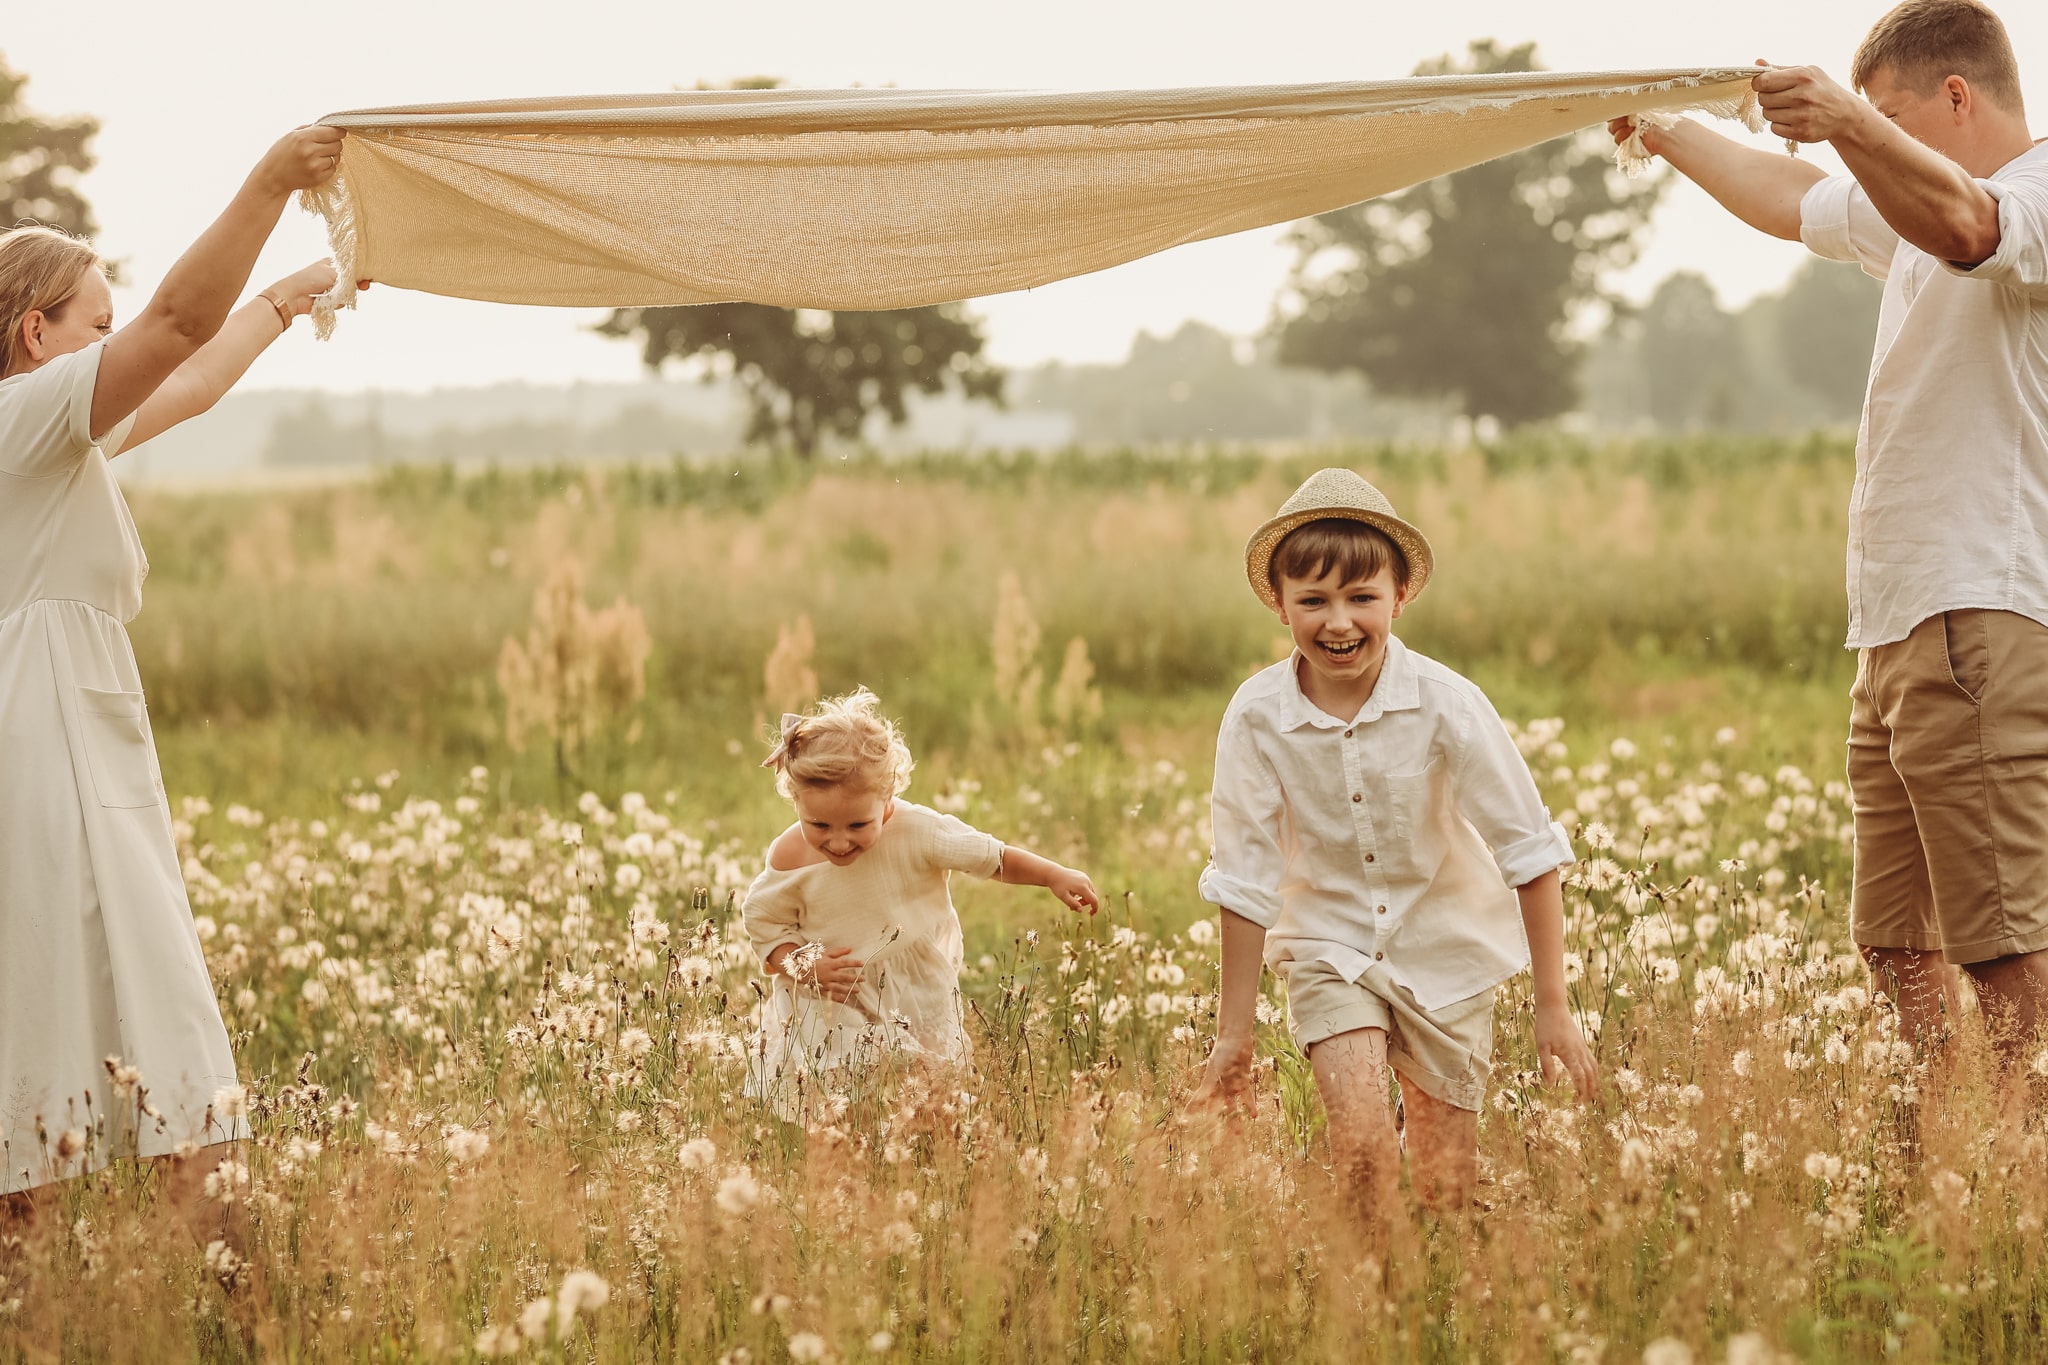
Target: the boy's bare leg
pixel 1922 988
pixel 1351 1074
pixel 2014 994
pixel 1443 1151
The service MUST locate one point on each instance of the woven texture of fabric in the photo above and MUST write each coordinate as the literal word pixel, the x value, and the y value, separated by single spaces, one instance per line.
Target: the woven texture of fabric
pixel 860 199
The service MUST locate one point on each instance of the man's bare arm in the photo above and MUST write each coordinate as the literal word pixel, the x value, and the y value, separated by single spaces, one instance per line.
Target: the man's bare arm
pixel 1761 188
pixel 1926 198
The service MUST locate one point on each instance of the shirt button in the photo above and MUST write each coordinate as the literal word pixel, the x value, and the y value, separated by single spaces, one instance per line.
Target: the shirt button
pixel 1347 734
pixel 1358 796
pixel 1376 957
pixel 1383 909
pixel 1372 857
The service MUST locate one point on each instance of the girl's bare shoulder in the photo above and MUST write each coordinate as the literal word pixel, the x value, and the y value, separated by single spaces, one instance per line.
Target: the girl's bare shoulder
pixel 789 852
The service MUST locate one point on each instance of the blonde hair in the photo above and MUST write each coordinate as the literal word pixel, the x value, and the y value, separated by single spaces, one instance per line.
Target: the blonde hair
pixel 844 741
pixel 1924 42
pixel 40 270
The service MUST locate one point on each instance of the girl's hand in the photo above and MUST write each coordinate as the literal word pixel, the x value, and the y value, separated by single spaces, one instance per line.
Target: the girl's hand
pixel 837 975
pixel 1227 1080
pixel 303 159
pixel 1074 889
pixel 298 291
pixel 1561 1049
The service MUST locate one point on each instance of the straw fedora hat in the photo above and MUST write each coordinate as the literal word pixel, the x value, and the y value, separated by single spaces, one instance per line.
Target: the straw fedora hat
pixel 1333 493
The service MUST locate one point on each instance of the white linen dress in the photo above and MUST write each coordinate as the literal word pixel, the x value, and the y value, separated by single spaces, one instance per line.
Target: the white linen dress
pixel 98 955
pixel 892 906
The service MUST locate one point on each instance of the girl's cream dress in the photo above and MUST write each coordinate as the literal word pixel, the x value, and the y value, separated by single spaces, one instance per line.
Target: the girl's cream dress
pixel 891 906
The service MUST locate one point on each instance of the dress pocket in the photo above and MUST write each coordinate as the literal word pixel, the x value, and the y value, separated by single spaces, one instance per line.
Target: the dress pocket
pixel 117 748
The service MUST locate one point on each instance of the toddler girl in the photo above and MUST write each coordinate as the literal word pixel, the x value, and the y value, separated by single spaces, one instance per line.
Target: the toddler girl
pixel 851 916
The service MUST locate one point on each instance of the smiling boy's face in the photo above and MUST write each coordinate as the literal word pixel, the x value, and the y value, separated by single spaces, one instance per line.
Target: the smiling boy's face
pixel 1341 629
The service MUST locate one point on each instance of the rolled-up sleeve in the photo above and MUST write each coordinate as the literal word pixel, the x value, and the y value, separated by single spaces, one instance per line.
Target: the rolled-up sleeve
pixel 2021 260
pixel 1247 866
pixel 957 846
pixel 1496 793
pixel 1838 221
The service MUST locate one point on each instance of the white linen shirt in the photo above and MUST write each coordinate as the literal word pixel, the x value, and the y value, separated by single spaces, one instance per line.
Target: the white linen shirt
pixel 1392 838
pixel 1950 505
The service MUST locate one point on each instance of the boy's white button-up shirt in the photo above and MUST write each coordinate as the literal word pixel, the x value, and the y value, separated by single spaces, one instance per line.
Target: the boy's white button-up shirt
pixel 1950 507
pixel 1393 838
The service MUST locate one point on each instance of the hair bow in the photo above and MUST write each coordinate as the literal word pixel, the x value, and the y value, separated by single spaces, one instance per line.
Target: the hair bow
pixel 785 745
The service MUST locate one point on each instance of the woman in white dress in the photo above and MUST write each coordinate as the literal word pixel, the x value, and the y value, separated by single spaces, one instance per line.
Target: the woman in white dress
pixel 111 1041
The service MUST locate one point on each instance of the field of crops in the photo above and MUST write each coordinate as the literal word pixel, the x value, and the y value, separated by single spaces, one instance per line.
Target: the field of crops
pixel 491 1001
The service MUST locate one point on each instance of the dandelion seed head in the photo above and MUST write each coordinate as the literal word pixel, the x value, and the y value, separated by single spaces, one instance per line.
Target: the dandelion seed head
pixel 466 1146
pixel 738 1194
pixel 1667 1351
pixel 535 1318
pixel 582 1291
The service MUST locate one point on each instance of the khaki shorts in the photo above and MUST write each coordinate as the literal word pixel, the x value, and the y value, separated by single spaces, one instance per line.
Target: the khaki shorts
pixel 1446 1053
pixel 1948 773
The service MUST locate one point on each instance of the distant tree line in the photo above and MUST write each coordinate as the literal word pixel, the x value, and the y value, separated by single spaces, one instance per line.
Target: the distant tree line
pixel 1794 359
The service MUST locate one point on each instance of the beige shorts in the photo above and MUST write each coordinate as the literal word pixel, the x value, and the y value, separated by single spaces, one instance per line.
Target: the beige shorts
pixel 1948 773
pixel 1446 1053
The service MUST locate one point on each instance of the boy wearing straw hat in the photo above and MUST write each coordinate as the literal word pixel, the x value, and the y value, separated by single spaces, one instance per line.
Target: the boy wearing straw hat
pixel 1371 814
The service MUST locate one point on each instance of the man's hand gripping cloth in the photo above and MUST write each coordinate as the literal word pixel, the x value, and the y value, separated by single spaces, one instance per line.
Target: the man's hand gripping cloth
pixel 862 199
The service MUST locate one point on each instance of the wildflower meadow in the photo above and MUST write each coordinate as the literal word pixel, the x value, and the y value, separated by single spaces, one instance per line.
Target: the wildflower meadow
pixel 465 775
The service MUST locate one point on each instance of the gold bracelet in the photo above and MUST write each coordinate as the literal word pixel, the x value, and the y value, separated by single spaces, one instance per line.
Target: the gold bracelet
pixel 284 312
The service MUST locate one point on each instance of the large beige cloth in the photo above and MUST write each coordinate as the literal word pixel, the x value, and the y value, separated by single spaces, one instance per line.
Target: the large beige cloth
pixel 857 199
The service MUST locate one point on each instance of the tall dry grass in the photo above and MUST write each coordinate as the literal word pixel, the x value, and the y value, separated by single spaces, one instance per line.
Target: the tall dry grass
pixel 381 609
pixel 494 1072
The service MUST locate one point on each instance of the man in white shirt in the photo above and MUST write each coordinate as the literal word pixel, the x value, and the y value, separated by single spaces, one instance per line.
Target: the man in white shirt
pixel 1946 201
pixel 1380 843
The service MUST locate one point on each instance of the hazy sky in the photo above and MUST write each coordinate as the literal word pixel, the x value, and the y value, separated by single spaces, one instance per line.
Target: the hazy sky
pixel 189 95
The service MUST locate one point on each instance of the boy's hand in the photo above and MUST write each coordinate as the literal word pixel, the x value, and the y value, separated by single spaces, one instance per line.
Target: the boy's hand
pixel 1074 889
pixel 1227 1080
pixel 1561 1050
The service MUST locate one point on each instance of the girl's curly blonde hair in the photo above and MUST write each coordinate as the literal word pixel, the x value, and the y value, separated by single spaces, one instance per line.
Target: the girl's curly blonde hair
pixel 845 741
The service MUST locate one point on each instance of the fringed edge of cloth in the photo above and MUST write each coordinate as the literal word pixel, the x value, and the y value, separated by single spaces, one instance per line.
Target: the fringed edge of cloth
pixel 1634 158
pixel 336 205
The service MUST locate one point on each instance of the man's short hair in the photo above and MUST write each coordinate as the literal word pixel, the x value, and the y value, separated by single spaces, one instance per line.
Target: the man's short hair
pixel 1353 548
pixel 1924 42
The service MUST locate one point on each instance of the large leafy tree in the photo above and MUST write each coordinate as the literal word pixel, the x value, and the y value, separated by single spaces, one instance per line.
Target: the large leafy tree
pixel 1695 366
pixel 40 162
pixel 1464 288
pixel 810 374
